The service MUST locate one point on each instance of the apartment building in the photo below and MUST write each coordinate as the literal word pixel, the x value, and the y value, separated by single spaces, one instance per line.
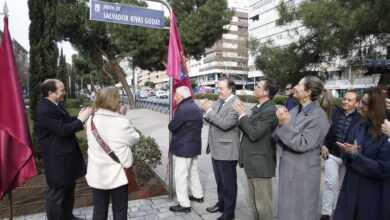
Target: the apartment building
pixel 228 57
pixel 159 78
pixel 22 63
pixel 264 25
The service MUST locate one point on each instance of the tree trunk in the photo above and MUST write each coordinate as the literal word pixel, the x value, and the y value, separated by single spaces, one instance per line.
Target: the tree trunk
pixel 92 84
pixel 109 76
pixel 119 73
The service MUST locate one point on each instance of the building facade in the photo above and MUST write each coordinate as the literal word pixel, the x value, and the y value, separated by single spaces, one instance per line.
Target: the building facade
pixel 264 25
pixel 22 64
pixel 228 57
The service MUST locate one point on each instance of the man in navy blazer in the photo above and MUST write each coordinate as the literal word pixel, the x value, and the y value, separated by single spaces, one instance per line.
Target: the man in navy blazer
pixel 62 158
pixel 186 144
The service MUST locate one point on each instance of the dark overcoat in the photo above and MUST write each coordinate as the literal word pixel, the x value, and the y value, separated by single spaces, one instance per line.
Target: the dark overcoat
pixel 62 158
pixel 365 193
pixel 186 127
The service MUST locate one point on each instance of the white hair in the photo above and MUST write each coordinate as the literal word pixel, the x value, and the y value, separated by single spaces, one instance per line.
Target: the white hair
pixel 183 91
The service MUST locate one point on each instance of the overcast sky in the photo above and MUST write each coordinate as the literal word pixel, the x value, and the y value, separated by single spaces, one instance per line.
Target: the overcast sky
pixel 19 23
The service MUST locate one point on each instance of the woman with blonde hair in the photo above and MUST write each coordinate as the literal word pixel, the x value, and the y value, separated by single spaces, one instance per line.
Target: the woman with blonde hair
pixel 105 176
pixel 300 135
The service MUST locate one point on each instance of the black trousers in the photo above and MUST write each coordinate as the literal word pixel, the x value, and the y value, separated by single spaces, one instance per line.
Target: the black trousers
pixel 59 203
pixel 226 177
pixel 101 199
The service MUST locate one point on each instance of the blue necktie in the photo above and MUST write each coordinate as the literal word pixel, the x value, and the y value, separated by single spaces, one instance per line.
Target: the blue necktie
pixel 220 105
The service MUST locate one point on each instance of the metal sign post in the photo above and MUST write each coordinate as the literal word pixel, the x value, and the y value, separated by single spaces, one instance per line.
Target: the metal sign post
pixel 126 14
pixel 170 185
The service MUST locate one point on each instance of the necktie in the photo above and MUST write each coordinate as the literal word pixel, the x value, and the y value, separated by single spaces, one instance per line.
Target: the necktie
pixel 220 105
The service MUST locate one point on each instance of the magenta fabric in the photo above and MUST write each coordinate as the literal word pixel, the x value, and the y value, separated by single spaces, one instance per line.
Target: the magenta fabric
pixel 17 163
pixel 177 66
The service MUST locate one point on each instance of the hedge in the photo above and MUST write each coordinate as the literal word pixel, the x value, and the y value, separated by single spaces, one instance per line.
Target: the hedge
pixel 280 100
pixel 71 102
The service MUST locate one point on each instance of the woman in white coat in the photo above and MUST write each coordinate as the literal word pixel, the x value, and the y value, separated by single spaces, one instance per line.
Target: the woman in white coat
pixel 105 176
pixel 300 135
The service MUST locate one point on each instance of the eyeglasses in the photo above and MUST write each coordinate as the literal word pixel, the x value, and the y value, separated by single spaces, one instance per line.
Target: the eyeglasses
pixel 288 89
pixel 364 103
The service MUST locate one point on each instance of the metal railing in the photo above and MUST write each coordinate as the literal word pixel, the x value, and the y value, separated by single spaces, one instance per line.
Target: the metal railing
pixel 153 105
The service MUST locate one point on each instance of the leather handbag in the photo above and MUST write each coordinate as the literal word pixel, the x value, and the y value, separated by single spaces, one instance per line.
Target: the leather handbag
pixel 133 185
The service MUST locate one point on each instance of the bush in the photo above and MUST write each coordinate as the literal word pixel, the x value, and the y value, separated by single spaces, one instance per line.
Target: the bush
pixel 279 100
pixel 77 102
pixel 146 155
pixel 209 96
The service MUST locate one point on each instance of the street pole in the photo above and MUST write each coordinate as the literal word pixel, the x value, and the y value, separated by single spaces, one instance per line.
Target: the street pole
pixel 170 171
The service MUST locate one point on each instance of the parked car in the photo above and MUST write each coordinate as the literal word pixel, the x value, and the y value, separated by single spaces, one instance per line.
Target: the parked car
pixel 161 94
pixel 142 94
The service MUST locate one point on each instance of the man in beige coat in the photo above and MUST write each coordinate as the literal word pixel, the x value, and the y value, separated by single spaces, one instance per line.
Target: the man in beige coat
pixel 223 143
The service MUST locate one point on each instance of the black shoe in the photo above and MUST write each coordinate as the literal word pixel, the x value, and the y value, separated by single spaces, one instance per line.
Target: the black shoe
pixel 325 217
pixel 214 208
pixel 200 200
pixel 179 208
pixel 226 217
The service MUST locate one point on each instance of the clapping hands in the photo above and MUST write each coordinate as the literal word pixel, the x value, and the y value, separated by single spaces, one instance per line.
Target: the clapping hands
pixel 239 107
pixel 283 115
pixel 349 148
pixel 205 104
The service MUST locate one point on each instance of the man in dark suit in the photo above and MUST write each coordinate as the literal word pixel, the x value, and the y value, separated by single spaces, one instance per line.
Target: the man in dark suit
pixel 62 158
pixel 257 150
pixel 223 143
pixel 186 144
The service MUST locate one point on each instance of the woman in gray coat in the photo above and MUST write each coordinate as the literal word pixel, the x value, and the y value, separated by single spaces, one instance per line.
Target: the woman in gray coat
pixel 299 136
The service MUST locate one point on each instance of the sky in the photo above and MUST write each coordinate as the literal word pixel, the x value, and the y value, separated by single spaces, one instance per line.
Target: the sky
pixel 19 21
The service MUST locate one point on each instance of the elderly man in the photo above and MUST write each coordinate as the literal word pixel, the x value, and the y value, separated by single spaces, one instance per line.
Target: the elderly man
pixel 257 152
pixel 61 154
pixel 343 120
pixel 186 144
pixel 224 144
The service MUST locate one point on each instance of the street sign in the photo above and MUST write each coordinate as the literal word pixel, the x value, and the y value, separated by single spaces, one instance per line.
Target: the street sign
pixel 126 14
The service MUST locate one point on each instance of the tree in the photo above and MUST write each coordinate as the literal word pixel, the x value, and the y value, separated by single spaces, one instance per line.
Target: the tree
pixel 352 30
pixel 92 39
pixel 43 53
pixel 62 73
pixel 150 84
pixel 149 47
pixel 194 84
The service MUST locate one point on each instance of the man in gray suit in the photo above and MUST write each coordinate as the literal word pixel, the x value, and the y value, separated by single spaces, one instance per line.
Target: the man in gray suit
pixel 223 143
pixel 257 150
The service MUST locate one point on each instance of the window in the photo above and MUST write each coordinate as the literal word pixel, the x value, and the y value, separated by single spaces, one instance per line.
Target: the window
pixel 261 3
pixel 262 28
pixel 244 29
pixel 243 20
